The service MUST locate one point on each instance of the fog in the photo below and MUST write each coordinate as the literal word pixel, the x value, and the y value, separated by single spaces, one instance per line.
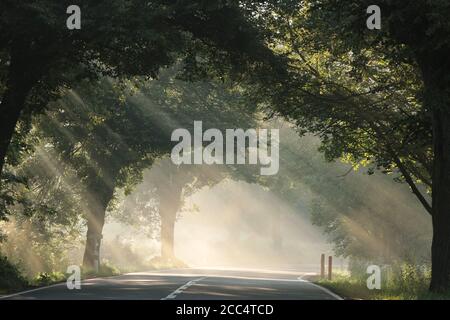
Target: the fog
pixel 241 225
pixel 231 223
pixel 236 224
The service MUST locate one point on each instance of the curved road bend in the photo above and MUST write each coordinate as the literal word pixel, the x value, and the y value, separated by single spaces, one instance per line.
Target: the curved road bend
pixel 188 284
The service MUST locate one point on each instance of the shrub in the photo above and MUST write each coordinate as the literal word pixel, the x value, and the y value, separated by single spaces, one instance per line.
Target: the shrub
pixel 10 276
pixel 401 280
pixel 47 278
pixel 106 269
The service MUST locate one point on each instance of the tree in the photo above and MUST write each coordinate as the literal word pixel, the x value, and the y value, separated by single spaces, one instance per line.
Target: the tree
pixel 39 56
pixel 377 97
pixel 110 134
pixel 108 143
pixel 43 228
pixel 160 198
pixel 218 105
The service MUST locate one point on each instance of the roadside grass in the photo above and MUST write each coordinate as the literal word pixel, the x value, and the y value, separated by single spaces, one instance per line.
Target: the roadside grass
pixel 163 263
pixel 395 288
pixel 105 269
pixel 48 278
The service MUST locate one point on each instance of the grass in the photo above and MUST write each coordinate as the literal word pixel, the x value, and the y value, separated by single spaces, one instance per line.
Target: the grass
pixel 48 278
pixel 398 287
pixel 163 263
pixel 105 270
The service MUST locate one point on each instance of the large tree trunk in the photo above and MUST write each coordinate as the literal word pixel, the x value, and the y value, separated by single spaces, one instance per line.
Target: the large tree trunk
pixel 277 238
pixel 91 257
pixel 169 204
pixel 21 79
pixel 168 218
pixel 10 110
pixel 436 74
pixel 95 222
pixel 440 252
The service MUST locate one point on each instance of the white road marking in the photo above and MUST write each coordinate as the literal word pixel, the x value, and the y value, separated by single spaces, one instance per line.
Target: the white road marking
pixel 206 275
pixel 306 274
pixel 56 285
pixel 32 290
pixel 82 281
pixel 180 290
pixel 184 287
pixel 334 295
pixel 326 290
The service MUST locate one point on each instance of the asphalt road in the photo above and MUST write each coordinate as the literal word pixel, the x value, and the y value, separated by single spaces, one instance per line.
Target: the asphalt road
pixel 188 284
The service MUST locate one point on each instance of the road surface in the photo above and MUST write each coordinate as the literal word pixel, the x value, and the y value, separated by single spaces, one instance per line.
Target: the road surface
pixel 188 284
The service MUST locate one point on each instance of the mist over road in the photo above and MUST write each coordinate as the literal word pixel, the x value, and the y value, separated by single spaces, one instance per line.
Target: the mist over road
pixel 188 284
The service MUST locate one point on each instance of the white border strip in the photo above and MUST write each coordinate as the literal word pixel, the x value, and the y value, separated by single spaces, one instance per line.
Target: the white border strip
pixel 83 280
pixel 54 285
pixel 32 290
pixel 180 290
pixel 334 295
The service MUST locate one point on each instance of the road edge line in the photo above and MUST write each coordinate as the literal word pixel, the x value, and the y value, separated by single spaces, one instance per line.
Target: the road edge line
pixel 65 282
pixel 31 290
pixel 331 293
pixel 180 289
